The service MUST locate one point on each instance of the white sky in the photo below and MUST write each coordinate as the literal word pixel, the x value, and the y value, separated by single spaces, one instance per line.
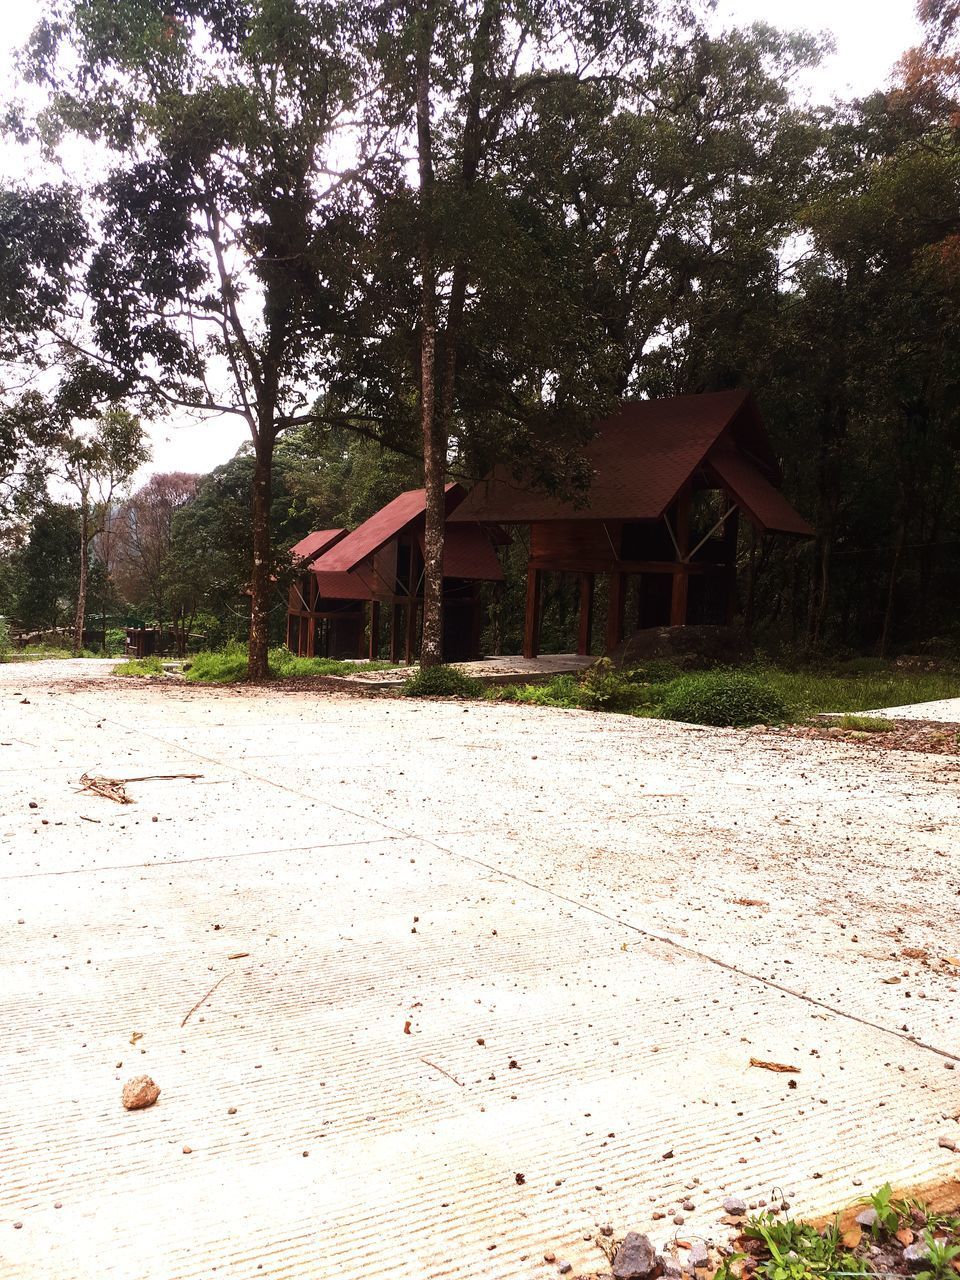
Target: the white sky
pixel 869 35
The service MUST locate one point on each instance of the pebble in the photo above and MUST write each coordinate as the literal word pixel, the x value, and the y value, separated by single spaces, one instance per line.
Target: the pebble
pixel 867 1217
pixel 948 1144
pixel 188 1151
pixel 549 1257
pixel 916 1253
pixel 17 1226
pixel 139 1093
pixel 564 1268
pixel 699 1257
pixel 672 1267
pixel 734 1205
pixel 231 1111
pixel 679 1219
pixel 688 1205
pixel 606 1230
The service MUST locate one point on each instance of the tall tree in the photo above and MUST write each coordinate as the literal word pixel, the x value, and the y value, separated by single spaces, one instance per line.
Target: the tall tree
pixel 214 281
pixel 97 464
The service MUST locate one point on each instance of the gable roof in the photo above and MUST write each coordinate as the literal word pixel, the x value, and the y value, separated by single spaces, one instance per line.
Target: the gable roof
pixel 380 528
pixel 766 506
pixel 640 456
pixel 314 544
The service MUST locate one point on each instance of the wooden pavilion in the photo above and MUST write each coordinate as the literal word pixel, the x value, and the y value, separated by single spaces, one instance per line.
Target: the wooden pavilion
pixel 671 479
pixel 334 607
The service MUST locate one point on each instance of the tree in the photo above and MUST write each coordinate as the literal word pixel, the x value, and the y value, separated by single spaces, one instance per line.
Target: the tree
pixel 143 569
pixel 47 569
pixel 42 233
pixel 97 464
pixel 214 280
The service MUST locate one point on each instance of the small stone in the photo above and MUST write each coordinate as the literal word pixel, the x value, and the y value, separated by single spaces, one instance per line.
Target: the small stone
pixel 139 1093
pixel 867 1217
pixel 636 1259
pixel 948 1144
pixel 688 1205
pixel 658 1215
pixel 231 1111
pixel 188 1151
pixel 679 1219
pixel 735 1206
pixel 699 1257
pixel 858 1182
pixel 564 1268
pixel 949 1065
pixel 549 1257
pixel 58 1204
pixel 915 1255
pixel 672 1267
pixel 18 1226
pixel 606 1230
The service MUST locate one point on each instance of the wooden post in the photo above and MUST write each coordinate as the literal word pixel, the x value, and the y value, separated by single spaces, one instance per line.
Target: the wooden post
pixel 618 596
pixel 373 652
pixel 311 650
pixel 411 636
pixel 396 621
pixel 476 621
pixel 531 621
pixel 586 612
pixel 681 582
pixel 731 538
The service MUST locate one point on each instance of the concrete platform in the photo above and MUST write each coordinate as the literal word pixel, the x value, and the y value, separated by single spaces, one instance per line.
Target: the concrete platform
pixel 431 989
pixel 511 669
pixel 946 710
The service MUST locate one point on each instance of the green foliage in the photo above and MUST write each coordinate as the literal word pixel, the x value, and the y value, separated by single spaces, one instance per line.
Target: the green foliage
pixel 733 698
pixel 798 1251
pixel 440 681
pixel 229 665
pixel 940 1260
pixel 866 724
pixel 139 667
pixel 808 692
pixel 887 1210
pixel 5 642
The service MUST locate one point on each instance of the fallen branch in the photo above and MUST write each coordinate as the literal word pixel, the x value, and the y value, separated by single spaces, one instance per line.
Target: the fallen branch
pixel 204 999
pixel 442 1072
pixel 115 788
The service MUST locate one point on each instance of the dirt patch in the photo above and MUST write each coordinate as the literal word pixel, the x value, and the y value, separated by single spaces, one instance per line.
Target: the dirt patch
pixel 933 737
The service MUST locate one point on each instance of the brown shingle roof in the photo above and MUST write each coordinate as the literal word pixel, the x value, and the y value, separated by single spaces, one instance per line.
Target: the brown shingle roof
pixel 314 544
pixel 765 505
pixel 380 528
pixel 640 456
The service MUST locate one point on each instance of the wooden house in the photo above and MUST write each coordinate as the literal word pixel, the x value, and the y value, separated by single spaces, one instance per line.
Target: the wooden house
pixel 335 608
pixel 671 481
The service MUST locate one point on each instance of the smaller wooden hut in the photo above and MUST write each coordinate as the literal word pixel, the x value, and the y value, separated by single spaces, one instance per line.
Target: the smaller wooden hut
pixel 671 481
pixel 335 608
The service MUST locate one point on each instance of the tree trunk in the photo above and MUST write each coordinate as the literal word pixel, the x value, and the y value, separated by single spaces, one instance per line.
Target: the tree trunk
pixel 260 577
pixel 434 444
pixel 891 588
pixel 82 586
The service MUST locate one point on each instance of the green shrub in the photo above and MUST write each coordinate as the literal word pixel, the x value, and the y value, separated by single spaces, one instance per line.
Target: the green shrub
pixel 723 698
pixel 558 691
pixel 440 682
pixel 139 667
pixel 5 642
pixel 603 688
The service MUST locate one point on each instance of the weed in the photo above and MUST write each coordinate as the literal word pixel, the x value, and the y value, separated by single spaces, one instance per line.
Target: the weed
pixel 139 667
pixel 940 1259
pixel 229 665
pixel 798 1251
pixel 888 1210
pixel 866 724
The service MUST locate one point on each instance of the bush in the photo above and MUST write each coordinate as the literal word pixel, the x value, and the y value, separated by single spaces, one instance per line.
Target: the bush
pixel 723 698
pixel 558 691
pixel 440 682
pixel 5 642
pixel 226 666
pixel 603 688
pixel 139 667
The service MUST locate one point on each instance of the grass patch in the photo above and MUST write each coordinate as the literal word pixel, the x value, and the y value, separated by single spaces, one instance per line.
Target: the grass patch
pixel 810 693
pixel 229 665
pixel 143 667
pixel 441 681
pixel 866 724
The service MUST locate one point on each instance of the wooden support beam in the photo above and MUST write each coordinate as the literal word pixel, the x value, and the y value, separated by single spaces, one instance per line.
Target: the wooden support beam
pixel 681 584
pixel 587 582
pixel 618 596
pixel 311 650
pixel 580 564
pixel 411 636
pixel 396 622
pixel 531 621
pixel 373 650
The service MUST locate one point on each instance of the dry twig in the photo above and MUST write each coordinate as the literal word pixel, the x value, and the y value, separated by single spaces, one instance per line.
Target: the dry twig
pixel 442 1072
pixel 204 999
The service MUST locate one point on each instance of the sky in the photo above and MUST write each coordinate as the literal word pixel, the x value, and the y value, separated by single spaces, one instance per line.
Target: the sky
pixel 869 36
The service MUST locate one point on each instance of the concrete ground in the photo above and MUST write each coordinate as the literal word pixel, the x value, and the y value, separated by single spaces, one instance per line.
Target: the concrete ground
pixel 946 710
pixel 433 989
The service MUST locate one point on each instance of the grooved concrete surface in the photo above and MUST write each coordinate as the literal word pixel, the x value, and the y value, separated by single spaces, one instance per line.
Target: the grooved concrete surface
pixel 627 911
